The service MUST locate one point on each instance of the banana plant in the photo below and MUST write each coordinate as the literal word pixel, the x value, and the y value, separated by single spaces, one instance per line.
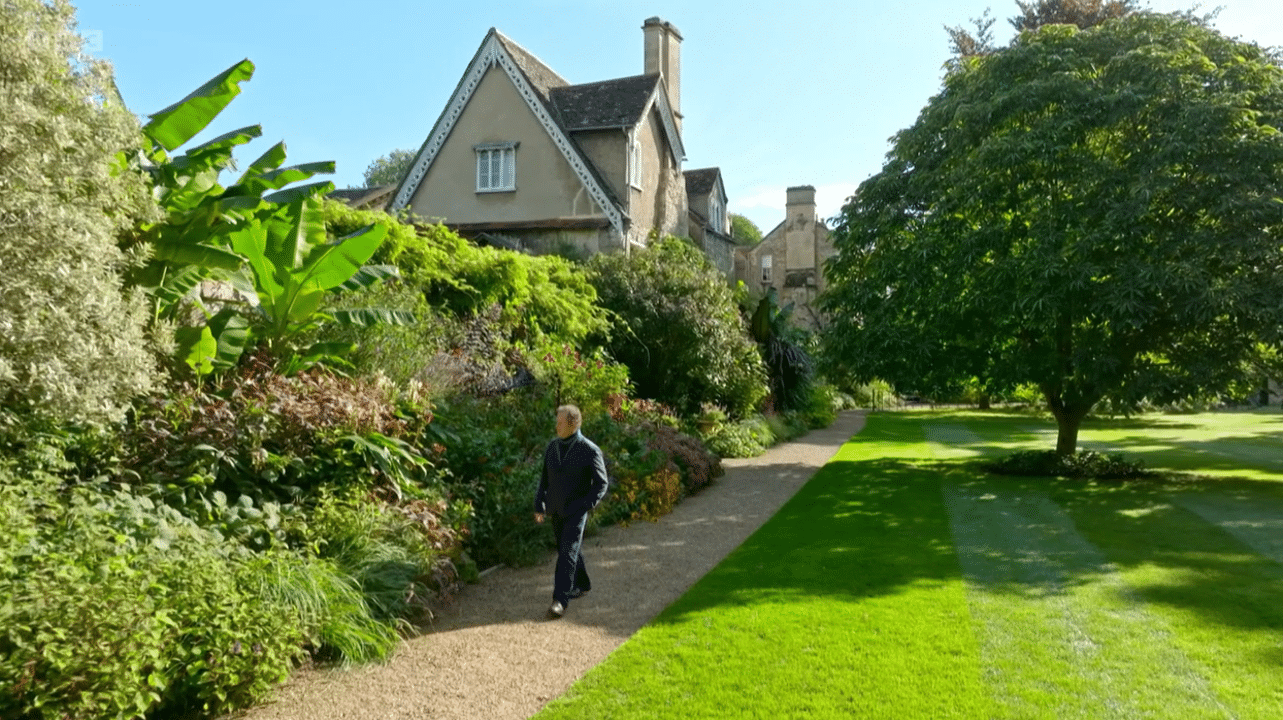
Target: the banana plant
pixel 263 236
pixel 295 268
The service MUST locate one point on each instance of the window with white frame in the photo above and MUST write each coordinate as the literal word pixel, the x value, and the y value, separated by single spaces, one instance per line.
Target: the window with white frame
pixel 496 167
pixel 634 161
pixel 766 268
pixel 716 214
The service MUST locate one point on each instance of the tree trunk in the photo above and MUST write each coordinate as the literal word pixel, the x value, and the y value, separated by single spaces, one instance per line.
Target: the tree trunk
pixel 1068 420
pixel 984 401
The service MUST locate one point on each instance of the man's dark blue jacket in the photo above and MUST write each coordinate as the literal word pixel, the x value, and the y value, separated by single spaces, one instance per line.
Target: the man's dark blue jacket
pixel 574 477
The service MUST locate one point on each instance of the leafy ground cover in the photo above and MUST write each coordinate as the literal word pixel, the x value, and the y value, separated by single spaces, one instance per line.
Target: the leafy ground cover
pixel 903 581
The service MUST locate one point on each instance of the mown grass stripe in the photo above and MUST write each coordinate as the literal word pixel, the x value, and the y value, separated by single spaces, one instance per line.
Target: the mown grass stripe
pixel 1060 635
pixel 1220 599
pixel 848 603
pixel 1252 519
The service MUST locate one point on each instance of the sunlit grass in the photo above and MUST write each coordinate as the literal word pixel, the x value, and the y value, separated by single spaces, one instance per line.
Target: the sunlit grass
pixel 902 582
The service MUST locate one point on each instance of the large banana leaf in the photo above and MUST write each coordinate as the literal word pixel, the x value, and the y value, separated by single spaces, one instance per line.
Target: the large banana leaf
pixel 181 121
pixel 277 179
pixel 269 160
pixel 251 243
pixel 174 286
pixel 368 275
pixel 216 345
pixel 182 253
pixel 369 317
pixel 291 232
pixel 197 347
pixel 231 329
pixel 329 265
pixel 304 192
pixel 225 142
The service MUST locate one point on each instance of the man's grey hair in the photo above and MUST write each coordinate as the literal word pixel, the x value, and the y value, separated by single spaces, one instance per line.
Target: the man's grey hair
pixel 572 414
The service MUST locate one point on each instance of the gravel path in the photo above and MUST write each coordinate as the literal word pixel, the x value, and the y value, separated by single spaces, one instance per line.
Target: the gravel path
pixel 494 654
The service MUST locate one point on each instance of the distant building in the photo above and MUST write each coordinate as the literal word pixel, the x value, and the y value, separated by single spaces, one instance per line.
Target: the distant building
pixel 790 258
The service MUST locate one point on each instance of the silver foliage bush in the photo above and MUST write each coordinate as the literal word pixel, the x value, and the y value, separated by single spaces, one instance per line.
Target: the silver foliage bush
pixel 72 344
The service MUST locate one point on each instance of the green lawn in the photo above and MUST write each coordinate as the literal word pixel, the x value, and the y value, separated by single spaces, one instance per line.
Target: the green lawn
pixel 901 582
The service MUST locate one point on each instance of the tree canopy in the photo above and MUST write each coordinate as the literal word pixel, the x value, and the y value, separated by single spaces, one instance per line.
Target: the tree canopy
pixel 389 169
pixel 1098 212
pixel 744 231
pixel 1033 15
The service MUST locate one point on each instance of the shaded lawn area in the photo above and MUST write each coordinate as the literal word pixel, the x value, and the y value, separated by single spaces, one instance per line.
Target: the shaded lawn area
pixel 902 582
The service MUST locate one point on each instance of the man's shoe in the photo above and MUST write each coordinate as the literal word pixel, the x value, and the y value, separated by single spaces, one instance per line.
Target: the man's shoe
pixel 577 593
pixel 557 609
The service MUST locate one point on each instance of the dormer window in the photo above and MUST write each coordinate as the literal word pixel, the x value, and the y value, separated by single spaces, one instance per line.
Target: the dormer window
pixel 634 161
pixel 766 268
pixel 716 214
pixel 496 167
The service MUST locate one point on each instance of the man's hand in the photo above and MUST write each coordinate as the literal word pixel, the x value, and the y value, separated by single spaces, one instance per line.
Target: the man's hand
pixel 539 518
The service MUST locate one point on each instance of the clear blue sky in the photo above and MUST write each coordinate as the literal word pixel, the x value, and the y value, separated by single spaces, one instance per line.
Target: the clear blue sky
pixel 805 92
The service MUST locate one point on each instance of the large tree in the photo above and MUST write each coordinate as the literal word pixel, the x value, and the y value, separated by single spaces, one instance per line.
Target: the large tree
pixel 1098 212
pixel 389 169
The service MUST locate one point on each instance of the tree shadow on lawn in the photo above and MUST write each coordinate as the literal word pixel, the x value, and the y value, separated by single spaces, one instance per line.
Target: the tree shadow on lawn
pixel 859 529
pixel 875 528
pixel 1202 567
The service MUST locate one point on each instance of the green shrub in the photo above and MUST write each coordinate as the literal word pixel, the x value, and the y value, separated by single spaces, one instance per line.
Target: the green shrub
pixel 637 496
pixel 333 607
pixel 116 608
pixel 747 438
pixel 875 394
pixel 271 437
pixel 72 344
pixel 586 379
pixel 1028 395
pixel 491 448
pixel 679 329
pixel 402 353
pixel 819 409
pixel 1085 464
pixel 398 565
pixel 542 295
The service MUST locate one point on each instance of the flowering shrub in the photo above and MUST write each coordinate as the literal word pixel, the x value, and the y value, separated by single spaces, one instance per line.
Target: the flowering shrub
pixel 590 380
pixel 644 497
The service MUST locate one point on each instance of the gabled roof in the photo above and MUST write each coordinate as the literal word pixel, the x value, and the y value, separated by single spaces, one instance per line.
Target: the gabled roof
pixel 542 78
pixel 702 181
pixel 618 103
pixel 561 108
pixel 607 104
pixel 364 197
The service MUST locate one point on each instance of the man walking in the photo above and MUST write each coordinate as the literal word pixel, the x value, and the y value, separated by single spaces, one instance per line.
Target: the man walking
pixel 572 483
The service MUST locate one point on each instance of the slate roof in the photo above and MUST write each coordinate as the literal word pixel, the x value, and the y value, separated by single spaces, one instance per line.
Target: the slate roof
pixel 606 104
pixel 541 77
pixel 364 197
pixel 701 181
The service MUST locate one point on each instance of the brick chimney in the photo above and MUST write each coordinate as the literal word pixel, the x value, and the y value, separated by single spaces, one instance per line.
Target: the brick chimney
pixel 664 56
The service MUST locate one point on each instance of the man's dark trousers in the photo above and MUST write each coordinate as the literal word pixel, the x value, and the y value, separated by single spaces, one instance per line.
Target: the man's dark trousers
pixel 570 575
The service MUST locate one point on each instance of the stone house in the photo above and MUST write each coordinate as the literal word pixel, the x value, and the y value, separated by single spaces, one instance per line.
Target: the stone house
pixel 710 224
pixel 522 158
pixel 790 258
